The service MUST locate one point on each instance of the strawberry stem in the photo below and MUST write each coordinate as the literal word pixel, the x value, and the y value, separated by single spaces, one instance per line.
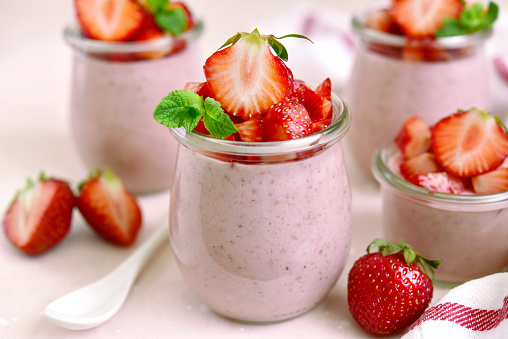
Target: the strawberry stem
pixel 411 257
pixel 272 40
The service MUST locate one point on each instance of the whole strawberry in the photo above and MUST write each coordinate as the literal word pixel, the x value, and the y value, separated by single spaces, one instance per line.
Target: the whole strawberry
pixel 109 208
pixel 388 291
pixel 40 215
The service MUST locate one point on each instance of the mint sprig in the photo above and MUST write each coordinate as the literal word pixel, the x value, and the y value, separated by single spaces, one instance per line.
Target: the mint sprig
pixel 183 108
pixel 472 19
pixel 170 20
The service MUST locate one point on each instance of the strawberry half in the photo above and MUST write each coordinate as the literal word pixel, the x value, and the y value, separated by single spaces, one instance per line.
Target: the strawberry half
pixel 469 143
pixel 492 182
pixel 413 138
pixel 388 291
pixel 286 120
pixel 40 215
pixel 246 78
pixel 110 20
pixel 109 208
pixel 423 18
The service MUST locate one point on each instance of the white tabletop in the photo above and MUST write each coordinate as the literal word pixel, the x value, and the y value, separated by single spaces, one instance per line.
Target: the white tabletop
pixel 34 136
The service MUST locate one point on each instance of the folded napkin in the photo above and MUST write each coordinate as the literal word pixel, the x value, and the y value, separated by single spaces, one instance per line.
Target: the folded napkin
pixel 475 309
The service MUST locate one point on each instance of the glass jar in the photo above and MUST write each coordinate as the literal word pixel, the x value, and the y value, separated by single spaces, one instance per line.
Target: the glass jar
pixel 115 87
pixel 261 231
pixel 469 232
pixel 387 85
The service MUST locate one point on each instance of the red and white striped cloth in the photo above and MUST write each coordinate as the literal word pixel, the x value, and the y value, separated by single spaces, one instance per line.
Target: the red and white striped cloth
pixel 475 309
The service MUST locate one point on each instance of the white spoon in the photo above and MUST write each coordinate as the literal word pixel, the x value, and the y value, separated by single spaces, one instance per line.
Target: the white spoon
pixel 92 305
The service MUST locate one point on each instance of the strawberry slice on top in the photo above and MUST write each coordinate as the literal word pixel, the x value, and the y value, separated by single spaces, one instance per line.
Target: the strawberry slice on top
pixel 469 143
pixel 246 78
pixel 110 20
pixel 423 18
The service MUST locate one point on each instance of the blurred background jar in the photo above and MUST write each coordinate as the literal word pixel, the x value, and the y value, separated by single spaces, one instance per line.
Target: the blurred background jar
pixel 394 78
pixel 114 91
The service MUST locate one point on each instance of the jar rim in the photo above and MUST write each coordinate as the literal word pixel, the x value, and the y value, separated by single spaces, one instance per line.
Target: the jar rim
pixel 373 35
pixel 72 35
pixel 341 122
pixel 447 201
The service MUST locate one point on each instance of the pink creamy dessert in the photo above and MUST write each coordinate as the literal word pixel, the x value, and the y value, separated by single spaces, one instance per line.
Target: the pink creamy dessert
pixel 111 108
pixel 467 231
pixel 264 238
pixel 389 84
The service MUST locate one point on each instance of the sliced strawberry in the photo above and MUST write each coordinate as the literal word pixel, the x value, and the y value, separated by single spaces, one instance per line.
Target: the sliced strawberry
pixel 286 120
pixel 246 78
pixel 423 18
pixel 110 20
pixel 324 89
pixel 421 164
pixel 469 143
pixel 413 138
pixel 109 208
pixel 200 88
pixel 319 108
pixel 40 215
pixel 320 125
pixel 250 130
pixel 492 182
pixel 439 182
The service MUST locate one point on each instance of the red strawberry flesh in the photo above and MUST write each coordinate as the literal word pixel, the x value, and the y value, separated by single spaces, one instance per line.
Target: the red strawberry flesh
pixel 469 143
pixel 40 217
pixel 246 78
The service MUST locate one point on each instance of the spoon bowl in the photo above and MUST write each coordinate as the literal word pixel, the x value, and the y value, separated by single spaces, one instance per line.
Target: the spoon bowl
pixel 92 305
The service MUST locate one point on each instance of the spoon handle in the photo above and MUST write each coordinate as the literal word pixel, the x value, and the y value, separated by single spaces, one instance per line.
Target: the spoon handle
pixel 91 305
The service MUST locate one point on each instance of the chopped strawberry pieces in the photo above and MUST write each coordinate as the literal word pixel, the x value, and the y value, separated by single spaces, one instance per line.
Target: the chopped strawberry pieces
pixel 420 164
pixel 318 106
pixel 324 89
pixel 414 137
pixel 286 120
pixel 469 143
pixel 469 151
pixel 246 78
pixel 423 18
pixel 439 182
pixel 492 182
pixel 250 130
pixel 200 88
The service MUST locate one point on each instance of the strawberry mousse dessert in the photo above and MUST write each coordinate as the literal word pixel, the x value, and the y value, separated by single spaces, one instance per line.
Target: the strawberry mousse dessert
pixel 445 191
pixel 415 58
pixel 126 55
pixel 260 215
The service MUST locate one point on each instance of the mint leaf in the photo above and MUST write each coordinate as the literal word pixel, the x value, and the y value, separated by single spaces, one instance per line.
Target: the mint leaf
pixel 172 21
pixel 472 19
pixel 157 5
pixel 217 122
pixel 180 108
pixel 183 108
pixel 451 27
